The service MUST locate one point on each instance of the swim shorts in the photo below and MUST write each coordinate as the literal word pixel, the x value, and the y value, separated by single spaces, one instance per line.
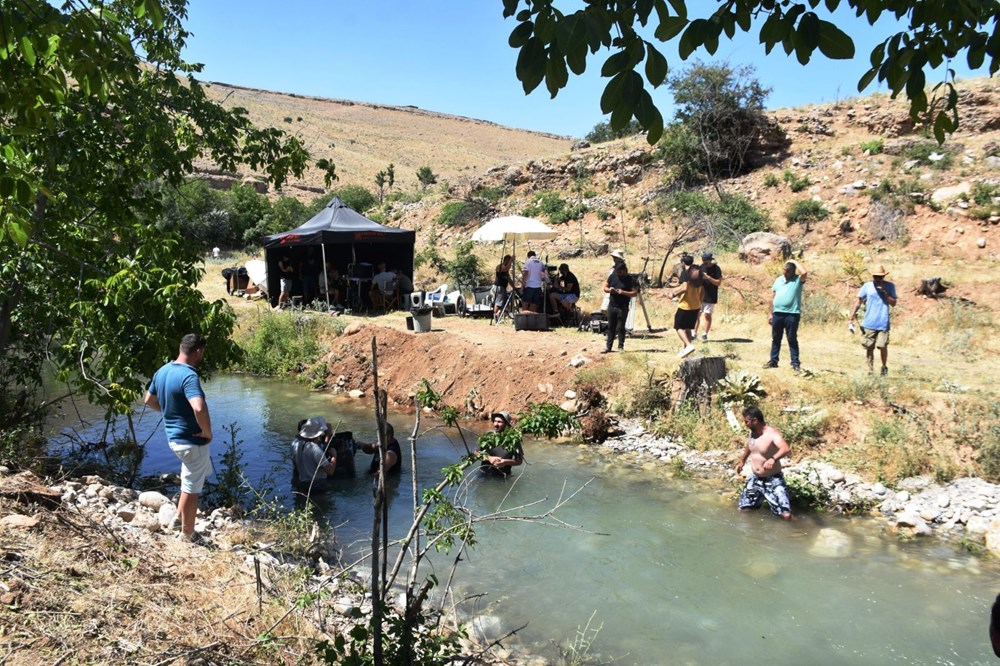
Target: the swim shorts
pixel 771 488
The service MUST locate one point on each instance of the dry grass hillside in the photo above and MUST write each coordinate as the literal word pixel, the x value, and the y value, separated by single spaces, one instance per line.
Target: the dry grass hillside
pixel 362 138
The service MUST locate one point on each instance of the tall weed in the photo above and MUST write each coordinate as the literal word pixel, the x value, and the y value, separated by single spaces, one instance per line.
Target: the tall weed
pixel 280 343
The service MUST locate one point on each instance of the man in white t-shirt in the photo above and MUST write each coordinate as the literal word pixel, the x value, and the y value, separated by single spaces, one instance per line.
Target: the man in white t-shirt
pixel 533 277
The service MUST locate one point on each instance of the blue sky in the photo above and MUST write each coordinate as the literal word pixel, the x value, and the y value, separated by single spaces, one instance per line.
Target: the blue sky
pixel 452 56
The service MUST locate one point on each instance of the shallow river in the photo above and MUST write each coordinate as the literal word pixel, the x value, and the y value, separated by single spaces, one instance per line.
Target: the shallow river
pixel 668 571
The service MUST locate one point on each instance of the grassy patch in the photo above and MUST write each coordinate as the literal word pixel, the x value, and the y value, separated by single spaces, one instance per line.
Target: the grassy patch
pixel 795 183
pixel 806 211
pixel 281 343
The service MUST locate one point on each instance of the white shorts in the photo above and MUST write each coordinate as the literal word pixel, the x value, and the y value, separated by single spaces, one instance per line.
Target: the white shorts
pixel 196 465
pixel 567 299
pixel 708 307
pixel 286 285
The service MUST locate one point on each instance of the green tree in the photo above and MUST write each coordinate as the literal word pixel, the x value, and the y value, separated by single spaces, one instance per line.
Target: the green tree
pixel 381 180
pixel 426 177
pixel 551 43
pixel 602 131
pixel 96 103
pixel 356 197
pixel 722 107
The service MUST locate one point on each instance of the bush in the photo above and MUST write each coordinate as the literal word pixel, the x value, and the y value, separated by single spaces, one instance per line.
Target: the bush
pixel 458 213
pixel 886 222
pixel 280 343
pixel 464 269
pixel 806 211
pixel 546 419
pixel 355 197
pixel 873 147
pixel 727 219
pixel 602 131
pixel 818 308
pixel 852 265
pixel 770 180
pixel 929 153
pixel 679 150
pixel 795 183
pixel 557 209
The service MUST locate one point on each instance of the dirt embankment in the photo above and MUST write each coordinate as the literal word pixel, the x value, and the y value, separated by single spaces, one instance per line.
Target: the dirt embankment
pixel 472 365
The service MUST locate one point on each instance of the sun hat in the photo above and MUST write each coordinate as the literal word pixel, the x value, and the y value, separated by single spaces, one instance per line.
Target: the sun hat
pixel 503 415
pixel 879 271
pixel 618 254
pixel 314 427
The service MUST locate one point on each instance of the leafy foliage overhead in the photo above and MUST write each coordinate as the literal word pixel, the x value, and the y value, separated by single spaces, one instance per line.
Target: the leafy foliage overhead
pixel 98 114
pixel 552 42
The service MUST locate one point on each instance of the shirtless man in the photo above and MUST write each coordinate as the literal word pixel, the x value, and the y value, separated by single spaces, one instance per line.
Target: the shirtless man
pixel 765 448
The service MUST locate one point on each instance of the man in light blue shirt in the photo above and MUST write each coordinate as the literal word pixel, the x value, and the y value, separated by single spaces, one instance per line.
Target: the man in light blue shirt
pixel 786 311
pixel 878 296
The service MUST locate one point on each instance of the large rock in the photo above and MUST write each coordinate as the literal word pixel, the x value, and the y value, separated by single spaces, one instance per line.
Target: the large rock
pixel 762 246
pixel 945 195
pixel 831 543
pixel 993 538
pixel 153 500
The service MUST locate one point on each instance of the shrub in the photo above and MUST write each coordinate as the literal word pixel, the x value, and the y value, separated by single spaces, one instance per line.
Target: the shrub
pixel 770 180
pixel 740 389
pixel 557 209
pixel 929 153
pixel 886 222
pixel 464 269
pixel 602 131
pixel 357 197
pixel 795 183
pixel 458 213
pixel 873 147
pixel 819 308
pixel 727 219
pixel 279 343
pixel 806 211
pixel 852 265
pixel 546 419
pixel 679 150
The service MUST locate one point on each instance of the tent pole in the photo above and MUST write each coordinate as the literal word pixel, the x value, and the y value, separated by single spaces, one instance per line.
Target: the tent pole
pixel 326 281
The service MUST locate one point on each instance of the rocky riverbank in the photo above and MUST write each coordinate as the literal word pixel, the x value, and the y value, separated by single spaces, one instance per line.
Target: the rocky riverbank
pixel 963 510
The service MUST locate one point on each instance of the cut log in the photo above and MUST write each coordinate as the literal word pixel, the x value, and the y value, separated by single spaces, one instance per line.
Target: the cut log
pixel 931 287
pixel 28 488
pixel 696 380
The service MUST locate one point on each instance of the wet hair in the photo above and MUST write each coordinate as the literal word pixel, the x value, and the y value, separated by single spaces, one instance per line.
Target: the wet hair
pixel 390 432
pixel 754 413
pixel 694 277
pixel 563 266
pixel 192 342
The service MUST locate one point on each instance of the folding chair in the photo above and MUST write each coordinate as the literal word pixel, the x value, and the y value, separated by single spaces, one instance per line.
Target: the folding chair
pixel 383 300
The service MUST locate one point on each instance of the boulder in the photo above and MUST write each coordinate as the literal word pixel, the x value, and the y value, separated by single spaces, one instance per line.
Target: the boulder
pixel 153 500
pixel 831 543
pixel 944 195
pixel 993 538
pixel 762 246
pixel 166 515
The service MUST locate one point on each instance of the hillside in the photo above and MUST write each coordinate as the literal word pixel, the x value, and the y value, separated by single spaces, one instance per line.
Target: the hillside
pixel 362 138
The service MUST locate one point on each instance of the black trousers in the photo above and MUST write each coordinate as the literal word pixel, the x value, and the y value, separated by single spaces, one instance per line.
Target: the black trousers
pixel 616 325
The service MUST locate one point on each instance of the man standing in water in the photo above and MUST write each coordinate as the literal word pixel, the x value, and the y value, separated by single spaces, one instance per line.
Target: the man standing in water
pixel 501 448
pixel 176 392
pixel 765 448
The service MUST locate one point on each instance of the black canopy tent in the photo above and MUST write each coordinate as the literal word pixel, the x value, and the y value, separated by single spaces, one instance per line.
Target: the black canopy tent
pixel 344 237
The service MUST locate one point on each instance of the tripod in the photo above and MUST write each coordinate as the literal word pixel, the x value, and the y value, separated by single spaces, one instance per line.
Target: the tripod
pixel 510 307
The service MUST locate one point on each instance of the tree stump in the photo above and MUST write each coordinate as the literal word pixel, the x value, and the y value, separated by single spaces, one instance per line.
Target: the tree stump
pixel 931 287
pixel 696 379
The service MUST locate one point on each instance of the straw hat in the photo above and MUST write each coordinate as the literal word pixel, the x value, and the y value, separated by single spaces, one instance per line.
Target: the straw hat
pixel 879 271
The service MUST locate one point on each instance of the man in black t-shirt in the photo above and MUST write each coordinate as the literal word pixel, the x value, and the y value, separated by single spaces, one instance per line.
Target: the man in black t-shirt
pixel 711 279
pixel 502 447
pixel 621 289
pixel 393 454
pixel 566 293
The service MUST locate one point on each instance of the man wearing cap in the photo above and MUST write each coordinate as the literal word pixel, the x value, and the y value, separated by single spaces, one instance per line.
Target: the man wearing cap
pixel 533 277
pixel 786 311
pixel 621 289
pixel 711 276
pixel 312 463
pixel 176 392
pixel 878 296
pixel 502 447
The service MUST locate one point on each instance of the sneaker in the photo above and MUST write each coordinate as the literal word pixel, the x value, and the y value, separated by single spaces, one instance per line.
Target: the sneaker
pixel 770 364
pixel 195 537
pixel 684 352
pixel 796 369
pixel 885 371
pixel 621 348
pixel 606 351
pixel 704 337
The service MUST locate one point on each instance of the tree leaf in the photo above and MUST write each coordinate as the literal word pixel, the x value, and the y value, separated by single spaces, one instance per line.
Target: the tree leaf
pixel 612 94
pixel 867 79
pixel 615 63
pixel 656 66
pixel 670 28
pixel 834 43
pixel 571 34
pixel 519 36
pixel 28 51
pixel 556 75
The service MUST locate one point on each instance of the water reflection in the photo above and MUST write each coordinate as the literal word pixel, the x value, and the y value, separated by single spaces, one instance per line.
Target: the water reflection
pixel 670 572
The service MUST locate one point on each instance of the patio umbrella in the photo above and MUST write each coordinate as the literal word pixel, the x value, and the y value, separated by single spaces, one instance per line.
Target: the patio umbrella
pixel 513 228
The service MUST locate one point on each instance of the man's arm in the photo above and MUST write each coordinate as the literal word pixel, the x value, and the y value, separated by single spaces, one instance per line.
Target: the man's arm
pixel 632 293
pixel 743 459
pixel 202 417
pixel 857 306
pixel 711 280
pixel 884 293
pixel 607 286
pixel 331 465
pixel 782 449
pixel 152 402
pixel 801 271
pixel 770 314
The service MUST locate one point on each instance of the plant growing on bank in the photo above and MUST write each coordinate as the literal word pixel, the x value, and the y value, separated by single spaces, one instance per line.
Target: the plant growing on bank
pixel 873 147
pixel 741 389
pixel 546 419
pixel 280 343
pixel 555 208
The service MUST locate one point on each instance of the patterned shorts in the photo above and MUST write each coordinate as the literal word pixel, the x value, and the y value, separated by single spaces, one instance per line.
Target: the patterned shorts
pixel 771 488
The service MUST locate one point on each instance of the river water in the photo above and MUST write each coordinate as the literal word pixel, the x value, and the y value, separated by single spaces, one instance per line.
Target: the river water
pixel 664 571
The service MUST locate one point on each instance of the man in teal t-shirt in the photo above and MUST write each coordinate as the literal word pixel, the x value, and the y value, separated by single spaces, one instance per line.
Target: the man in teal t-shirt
pixel 786 311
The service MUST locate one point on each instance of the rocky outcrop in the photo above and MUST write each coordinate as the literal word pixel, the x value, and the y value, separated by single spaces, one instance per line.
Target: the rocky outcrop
pixel 762 246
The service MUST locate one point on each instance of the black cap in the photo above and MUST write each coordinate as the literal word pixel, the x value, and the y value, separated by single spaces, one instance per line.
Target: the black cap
pixel 705 256
pixel 687 260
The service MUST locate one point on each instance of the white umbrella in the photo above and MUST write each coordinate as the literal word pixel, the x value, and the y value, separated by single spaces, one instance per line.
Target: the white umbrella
pixel 513 228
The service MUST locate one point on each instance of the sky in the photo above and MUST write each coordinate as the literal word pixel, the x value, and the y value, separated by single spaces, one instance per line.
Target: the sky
pixel 452 56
